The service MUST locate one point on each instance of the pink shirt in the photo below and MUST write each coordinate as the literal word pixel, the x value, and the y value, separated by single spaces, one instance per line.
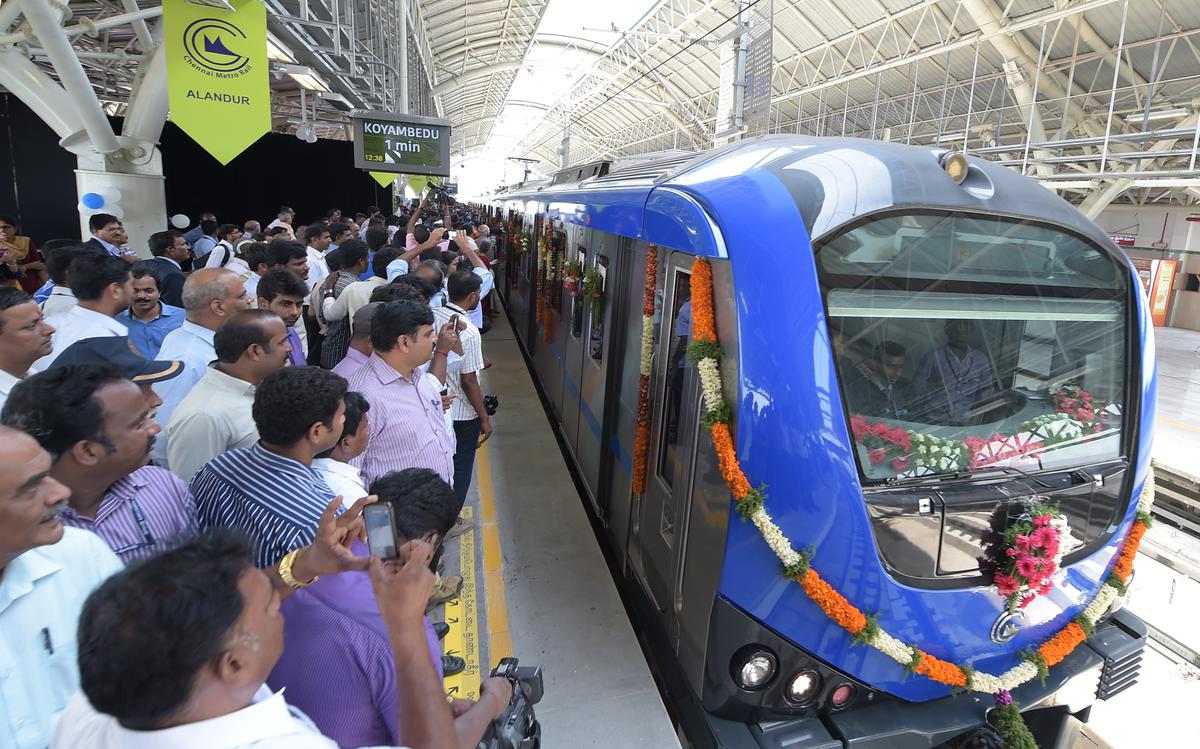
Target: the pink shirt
pixel 351 364
pixel 407 429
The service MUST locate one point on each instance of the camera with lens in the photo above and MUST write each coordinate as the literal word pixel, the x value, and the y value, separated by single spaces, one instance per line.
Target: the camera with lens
pixel 517 728
pixel 491 403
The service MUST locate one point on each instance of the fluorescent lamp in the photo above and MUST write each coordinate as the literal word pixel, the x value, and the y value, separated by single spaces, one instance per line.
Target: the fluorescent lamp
pixel 305 77
pixel 1167 182
pixel 1164 114
pixel 1069 184
pixel 276 51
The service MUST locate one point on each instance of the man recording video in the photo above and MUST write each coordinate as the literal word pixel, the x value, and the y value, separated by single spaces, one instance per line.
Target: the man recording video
pixel 361 710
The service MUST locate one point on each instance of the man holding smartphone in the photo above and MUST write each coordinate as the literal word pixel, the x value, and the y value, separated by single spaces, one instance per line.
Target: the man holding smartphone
pixel 414 504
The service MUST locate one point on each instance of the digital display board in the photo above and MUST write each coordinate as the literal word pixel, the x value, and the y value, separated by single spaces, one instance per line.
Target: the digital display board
pixel 408 143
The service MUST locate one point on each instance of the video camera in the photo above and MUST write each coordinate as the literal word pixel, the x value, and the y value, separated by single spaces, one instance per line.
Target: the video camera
pixel 517 728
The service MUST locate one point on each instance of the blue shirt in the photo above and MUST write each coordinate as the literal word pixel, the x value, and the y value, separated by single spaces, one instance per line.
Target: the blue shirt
pixel 202 246
pixel 191 344
pixel 43 293
pixel 193 234
pixel 362 277
pixel 277 501
pixel 41 595
pixel 148 336
pixel 112 248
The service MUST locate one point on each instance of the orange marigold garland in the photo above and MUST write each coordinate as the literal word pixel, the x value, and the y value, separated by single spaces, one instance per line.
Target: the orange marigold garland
pixel 641 442
pixel 706 351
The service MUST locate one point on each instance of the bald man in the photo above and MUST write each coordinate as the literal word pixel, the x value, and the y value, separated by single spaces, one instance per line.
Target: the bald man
pixel 46 573
pixel 209 296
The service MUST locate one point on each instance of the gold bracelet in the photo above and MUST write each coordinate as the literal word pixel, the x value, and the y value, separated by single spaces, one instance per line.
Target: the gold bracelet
pixel 285 571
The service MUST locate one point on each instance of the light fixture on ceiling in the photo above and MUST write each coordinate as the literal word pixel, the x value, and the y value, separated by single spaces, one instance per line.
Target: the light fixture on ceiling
pixel 1166 114
pixel 337 100
pixel 1070 184
pixel 276 51
pixel 1168 182
pixel 305 77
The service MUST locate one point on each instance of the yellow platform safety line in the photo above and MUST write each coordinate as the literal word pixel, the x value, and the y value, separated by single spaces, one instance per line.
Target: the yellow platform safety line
pixel 499 639
pixel 463 617
pixel 1179 424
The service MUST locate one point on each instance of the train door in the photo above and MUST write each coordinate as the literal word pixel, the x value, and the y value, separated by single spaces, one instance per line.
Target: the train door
pixel 600 289
pixel 658 533
pixel 616 495
pixel 548 352
pixel 574 337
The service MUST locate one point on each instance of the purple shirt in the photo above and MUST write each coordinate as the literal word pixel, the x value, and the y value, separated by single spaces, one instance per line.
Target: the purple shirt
pixel 335 622
pixel 145 513
pixel 296 357
pixel 407 429
pixel 351 364
pixel 953 383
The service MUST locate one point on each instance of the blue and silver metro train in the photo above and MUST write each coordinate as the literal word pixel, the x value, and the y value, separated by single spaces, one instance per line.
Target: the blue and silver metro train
pixel 914 343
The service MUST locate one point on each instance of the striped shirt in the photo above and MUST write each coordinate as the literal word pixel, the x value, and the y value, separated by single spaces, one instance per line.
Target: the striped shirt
pixel 406 427
pixel 337 333
pixel 276 500
pixel 143 514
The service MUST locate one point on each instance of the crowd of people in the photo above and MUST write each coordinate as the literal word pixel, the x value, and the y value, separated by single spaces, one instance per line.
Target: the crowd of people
pixel 188 443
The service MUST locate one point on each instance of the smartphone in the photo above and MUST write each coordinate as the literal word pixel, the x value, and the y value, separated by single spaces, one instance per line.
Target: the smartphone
pixel 381 530
pixel 458 326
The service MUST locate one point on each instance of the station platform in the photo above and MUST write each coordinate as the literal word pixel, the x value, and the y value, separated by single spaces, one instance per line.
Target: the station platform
pixel 1165 592
pixel 536 585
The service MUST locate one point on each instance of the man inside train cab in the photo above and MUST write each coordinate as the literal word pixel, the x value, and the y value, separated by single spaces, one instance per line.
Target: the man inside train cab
pixel 954 377
pixel 877 386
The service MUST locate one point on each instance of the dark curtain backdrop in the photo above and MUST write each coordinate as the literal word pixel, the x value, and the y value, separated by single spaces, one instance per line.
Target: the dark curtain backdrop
pixel 37 177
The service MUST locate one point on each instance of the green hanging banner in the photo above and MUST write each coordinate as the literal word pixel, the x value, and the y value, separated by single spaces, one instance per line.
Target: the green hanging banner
pixel 384 178
pixel 217 73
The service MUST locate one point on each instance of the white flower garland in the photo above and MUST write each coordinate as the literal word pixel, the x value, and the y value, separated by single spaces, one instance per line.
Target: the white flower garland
pixel 880 639
pixel 710 383
pixel 647 345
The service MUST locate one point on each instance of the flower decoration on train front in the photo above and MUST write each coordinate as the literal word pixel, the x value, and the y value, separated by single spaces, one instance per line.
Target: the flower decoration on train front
pixel 1026 543
pixel 865 628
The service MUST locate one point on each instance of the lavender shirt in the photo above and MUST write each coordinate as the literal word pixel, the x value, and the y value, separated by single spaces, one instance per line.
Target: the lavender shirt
pixel 407 428
pixel 143 514
pixel 351 364
pixel 337 664
pixel 955 384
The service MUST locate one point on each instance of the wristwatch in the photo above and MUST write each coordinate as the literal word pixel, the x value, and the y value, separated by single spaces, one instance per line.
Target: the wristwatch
pixel 285 572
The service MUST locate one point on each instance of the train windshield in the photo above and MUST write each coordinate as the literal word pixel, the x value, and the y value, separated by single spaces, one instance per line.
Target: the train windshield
pixel 965 343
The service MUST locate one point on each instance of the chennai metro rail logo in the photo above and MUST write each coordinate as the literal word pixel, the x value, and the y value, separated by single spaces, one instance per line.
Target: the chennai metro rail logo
pixel 211 46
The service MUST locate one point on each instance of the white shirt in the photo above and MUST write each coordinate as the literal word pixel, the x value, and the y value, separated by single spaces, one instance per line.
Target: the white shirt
pixel 470 362
pixel 487 283
pixel 343 478
pixel 191 344
pixel 60 300
pixel 41 595
pixel 7 383
pixel 266 723
pixel 77 324
pixel 220 255
pixel 211 419
pixel 317 268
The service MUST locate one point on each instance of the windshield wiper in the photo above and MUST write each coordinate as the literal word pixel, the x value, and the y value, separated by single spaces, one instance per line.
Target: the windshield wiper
pixel 957 475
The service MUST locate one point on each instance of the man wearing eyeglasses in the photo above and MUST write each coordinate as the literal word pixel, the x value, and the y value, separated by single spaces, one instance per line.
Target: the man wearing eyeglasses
pixel 108 234
pixel 97 426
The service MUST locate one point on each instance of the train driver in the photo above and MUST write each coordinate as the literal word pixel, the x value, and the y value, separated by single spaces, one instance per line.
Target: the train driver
pixel 955 376
pixel 876 387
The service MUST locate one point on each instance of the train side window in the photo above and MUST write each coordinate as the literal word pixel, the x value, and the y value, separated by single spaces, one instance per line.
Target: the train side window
pixel 577 303
pixel 557 250
pixel 598 305
pixel 677 320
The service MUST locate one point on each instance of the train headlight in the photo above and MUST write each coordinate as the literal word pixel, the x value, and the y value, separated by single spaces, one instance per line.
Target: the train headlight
pixel 754 668
pixel 803 687
pixel 843 695
pixel 956 166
